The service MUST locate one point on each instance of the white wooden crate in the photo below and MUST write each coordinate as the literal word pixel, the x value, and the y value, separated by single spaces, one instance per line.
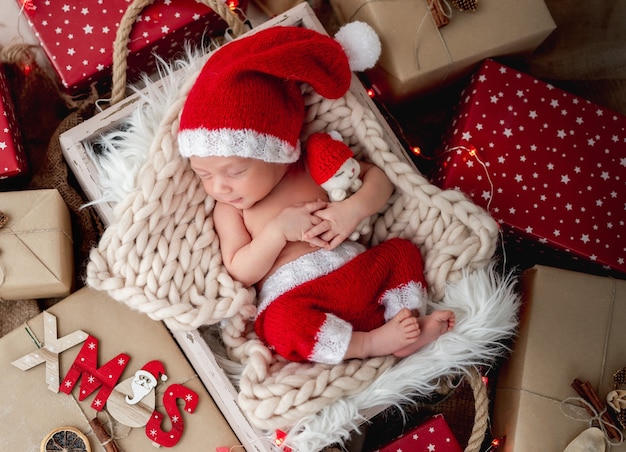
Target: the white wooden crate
pixel 76 142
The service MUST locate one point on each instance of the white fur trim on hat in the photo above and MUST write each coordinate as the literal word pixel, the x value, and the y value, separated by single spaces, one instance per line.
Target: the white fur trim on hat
pixel 244 143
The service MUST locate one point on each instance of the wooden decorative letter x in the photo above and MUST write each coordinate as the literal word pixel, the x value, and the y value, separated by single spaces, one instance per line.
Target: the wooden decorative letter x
pixel 50 350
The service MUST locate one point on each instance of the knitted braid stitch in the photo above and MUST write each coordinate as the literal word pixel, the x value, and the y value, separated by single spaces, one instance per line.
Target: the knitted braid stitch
pixel 161 257
pixel 451 232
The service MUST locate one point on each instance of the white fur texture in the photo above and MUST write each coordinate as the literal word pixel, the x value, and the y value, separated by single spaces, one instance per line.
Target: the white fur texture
pixel 486 305
pixel 485 302
pixel 125 148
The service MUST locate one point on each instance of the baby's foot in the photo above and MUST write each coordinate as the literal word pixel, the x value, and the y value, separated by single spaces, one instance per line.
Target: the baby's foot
pixel 396 334
pixel 431 327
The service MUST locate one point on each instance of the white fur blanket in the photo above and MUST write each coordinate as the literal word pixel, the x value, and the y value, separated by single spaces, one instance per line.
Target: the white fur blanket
pixel 161 257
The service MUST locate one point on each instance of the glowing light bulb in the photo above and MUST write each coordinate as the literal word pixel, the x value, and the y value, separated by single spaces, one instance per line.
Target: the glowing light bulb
pixel 233 4
pixel 416 150
pixel 496 443
pixel 280 439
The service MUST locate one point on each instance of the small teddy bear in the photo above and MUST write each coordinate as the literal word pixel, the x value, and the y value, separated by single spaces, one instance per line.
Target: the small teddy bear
pixel 333 167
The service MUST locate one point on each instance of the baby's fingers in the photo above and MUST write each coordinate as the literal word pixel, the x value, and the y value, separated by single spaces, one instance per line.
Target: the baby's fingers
pixel 316 241
pixel 335 242
pixel 315 205
pixel 317 230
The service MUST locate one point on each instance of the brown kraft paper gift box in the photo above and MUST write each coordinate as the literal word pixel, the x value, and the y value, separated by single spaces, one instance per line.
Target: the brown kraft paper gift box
pixel 31 410
pixel 36 248
pixel 572 327
pixel 418 57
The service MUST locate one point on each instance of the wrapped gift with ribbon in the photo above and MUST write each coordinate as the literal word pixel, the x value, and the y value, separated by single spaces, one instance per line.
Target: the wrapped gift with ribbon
pixel 13 159
pixel 420 56
pixel 36 247
pixel 548 165
pixel 570 344
pixel 78 37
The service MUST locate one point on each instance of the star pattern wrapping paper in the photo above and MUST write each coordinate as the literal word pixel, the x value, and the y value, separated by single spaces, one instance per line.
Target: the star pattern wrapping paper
pixel 13 161
pixel 78 35
pixel 548 165
pixel 433 435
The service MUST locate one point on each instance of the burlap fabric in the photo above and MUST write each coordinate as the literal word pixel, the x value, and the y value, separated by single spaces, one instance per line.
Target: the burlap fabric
pixel 592 29
pixel 586 54
pixel 44 113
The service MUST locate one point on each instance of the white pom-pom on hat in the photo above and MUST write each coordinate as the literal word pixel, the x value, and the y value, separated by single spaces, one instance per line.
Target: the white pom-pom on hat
pixel 360 43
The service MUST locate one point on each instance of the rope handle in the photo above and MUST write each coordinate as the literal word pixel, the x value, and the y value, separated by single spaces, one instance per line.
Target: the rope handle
pixel 481 417
pixel 122 37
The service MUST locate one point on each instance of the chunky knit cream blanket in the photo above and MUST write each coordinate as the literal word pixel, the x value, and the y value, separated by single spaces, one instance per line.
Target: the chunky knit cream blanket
pixel 161 254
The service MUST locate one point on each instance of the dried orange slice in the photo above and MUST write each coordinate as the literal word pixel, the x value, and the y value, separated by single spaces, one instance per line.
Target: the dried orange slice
pixel 65 439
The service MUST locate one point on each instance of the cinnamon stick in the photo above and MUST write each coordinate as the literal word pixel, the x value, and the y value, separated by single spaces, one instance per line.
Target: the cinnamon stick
pixel 586 391
pixel 105 439
pixel 436 9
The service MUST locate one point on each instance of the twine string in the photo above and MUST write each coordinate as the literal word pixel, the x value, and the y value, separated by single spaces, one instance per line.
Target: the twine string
pixel 569 405
pixel 3 220
pixel 33 231
pixel 566 408
pixel 38 231
pixel 447 11
pixel 607 333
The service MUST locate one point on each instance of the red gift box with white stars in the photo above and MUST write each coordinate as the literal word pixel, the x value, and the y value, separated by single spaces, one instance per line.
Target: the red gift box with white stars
pixel 13 161
pixel 434 435
pixel 548 165
pixel 78 35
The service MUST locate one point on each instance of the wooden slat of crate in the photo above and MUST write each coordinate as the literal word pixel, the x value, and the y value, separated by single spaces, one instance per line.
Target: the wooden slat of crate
pixel 191 342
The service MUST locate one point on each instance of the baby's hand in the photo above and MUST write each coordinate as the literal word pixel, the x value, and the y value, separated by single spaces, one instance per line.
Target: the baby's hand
pixel 296 220
pixel 339 221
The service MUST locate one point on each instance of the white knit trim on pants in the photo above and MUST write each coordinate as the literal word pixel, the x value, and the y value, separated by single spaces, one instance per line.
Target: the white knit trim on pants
pixel 332 341
pixel 411 295
pixel 306 268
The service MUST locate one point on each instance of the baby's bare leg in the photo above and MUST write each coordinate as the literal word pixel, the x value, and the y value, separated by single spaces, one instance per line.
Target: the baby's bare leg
pixel 431 327
pixel 396 334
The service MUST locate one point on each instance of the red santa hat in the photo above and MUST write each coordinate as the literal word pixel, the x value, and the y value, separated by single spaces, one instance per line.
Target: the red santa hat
pixel 153 370
pixel 247 100
pixel 325 153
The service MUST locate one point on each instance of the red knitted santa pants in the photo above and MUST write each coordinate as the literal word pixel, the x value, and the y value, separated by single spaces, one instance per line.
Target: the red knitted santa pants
pixel 314 320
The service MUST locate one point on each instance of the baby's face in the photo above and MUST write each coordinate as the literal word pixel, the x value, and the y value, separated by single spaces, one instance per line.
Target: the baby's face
pixel 344 176
pixel 240 182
